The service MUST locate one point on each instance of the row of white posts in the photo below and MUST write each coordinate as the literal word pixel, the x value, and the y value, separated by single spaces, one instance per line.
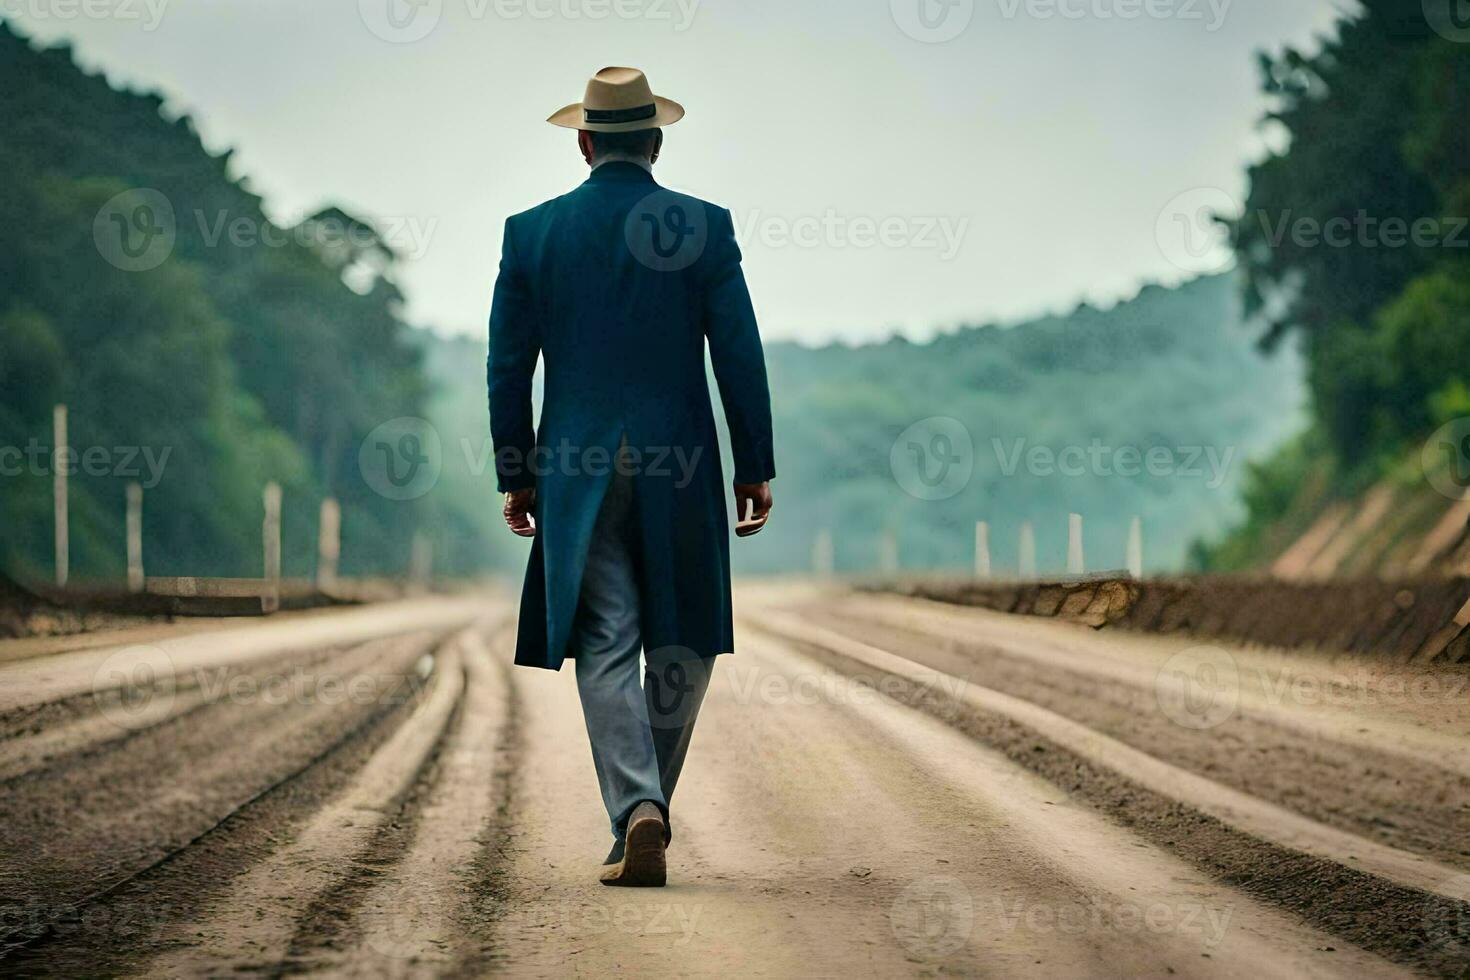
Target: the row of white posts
pixel 329 537
pixel 823 562
pixel 329 540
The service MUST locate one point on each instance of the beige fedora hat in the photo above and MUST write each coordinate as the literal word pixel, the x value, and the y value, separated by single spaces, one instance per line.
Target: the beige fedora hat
pixel 618 100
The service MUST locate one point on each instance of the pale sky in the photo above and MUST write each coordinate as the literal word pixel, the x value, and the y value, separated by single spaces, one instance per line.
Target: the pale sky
pixel 884 178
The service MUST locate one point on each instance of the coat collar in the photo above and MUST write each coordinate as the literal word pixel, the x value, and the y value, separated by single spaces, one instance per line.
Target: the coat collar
pixel 620 170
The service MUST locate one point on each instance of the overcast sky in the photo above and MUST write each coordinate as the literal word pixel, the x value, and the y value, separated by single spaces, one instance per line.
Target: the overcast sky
pixel 892 165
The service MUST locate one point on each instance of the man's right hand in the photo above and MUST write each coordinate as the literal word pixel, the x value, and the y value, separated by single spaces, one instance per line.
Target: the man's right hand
pixel 519 507
pixel 755 497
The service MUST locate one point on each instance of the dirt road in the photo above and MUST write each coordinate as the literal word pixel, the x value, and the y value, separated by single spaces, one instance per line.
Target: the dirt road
pixel 878 786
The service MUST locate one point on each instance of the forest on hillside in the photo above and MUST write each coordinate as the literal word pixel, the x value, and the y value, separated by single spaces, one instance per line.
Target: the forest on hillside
pixel 201 350
pixel 1355 243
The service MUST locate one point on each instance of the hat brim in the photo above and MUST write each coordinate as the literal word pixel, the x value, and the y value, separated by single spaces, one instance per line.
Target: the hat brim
pixel 570 117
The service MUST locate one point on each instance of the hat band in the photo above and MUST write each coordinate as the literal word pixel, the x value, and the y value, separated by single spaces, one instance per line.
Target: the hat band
pixel 620 115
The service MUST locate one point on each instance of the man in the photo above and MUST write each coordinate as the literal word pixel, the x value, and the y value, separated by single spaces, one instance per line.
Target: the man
pixel 617 286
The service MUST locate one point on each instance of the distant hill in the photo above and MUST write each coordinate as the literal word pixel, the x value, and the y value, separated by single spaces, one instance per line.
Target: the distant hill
pixel 1172 371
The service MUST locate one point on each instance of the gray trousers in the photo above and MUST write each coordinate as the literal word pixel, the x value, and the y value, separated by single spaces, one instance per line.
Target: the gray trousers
pixel 640 732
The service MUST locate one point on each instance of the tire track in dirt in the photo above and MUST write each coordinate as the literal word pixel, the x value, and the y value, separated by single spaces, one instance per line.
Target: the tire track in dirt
pixel 72 833
pixel 1344 769
pixel 1390 919
pixel 251 927
pixel 32 683
pixel 417 904
pixel 54 734
pixel 122 930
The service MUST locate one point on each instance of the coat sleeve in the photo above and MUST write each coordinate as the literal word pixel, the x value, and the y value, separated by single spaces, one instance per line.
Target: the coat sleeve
pixel 735 351
pixel 514 348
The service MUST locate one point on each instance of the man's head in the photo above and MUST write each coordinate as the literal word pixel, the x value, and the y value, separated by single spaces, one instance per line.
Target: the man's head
pixel 619 117
pixel 639 144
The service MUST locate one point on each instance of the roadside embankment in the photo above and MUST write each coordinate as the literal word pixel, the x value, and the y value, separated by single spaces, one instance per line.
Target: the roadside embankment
pixel 1424 621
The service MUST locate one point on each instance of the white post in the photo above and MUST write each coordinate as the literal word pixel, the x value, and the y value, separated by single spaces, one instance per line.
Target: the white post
pixel 1075 563
pixel 270 601
pixel 982 549
pixel 1135 548
pixel 823 556
pixel 135 538
pixel 1027 562
pixel 329 544
pixel 888 554
pixel 420 561
pixel 60 467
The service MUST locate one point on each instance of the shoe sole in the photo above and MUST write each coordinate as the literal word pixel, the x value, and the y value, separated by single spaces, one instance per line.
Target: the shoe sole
pixel 643 864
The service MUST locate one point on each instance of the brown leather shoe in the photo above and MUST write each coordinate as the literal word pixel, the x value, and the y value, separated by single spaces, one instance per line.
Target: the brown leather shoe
pixel 641 864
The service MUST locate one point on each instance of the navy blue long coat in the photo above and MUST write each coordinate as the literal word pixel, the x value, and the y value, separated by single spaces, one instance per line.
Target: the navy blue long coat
pixel 617 286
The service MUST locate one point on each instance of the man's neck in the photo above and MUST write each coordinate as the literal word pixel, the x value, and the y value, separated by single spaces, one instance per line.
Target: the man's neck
pixel 641 161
